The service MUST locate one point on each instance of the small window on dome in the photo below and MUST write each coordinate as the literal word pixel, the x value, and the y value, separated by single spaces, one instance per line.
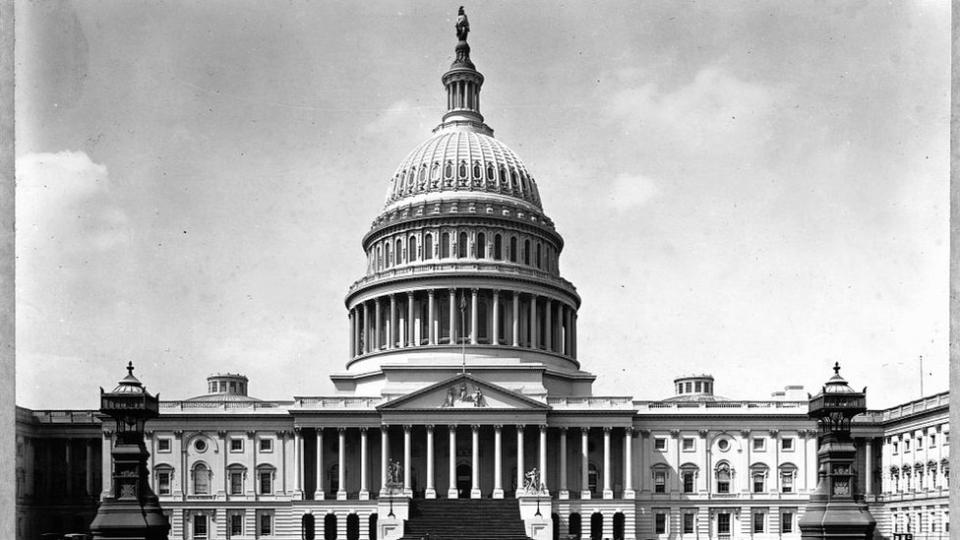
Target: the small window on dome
pixel 490 172
pixel 513 179
pixel 398 253
pixel 386 252
pixel 412 249
pixel 428 247
pixel 423 174
pixel 462 245
pixel 448 170
pixel 497 247
pixel 477 172
pixel 444 245
pixel 435 172
pixel 410 176
pixel 481 246
pixel 462 170
pixel 526 252
pixel 505 179
pixel 538 255
pixel 513 249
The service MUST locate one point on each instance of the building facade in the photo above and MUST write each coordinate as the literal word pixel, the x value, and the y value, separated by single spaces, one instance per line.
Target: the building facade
pixel 463 376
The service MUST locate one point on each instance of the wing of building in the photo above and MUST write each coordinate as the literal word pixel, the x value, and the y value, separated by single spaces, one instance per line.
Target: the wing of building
pixel 463 378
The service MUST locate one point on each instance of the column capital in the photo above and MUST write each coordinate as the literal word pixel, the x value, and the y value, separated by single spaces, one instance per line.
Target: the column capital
pixel 498 427
pixel 251 434
pixel 474 291
pixel 774 433
pixel 283 433
pixel 363 429
pixel 629 431
pixel 409 294
pixel 384 428
pixel 675 433
pixel 296 430
pixel 475 427
pixel 176 433
pixel 430 293
pixel 585 430
pixel 744 433
pixel 496 292
pixel 563 429
pixel 519 427
pixel 407 428
pixel 543 427
pixel 452 427
pixel 703 433
pixel 222 433
pixel 341 430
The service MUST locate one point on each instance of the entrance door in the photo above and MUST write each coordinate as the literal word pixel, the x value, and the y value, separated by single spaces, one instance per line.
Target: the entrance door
pixel 723 525
pixel 463 481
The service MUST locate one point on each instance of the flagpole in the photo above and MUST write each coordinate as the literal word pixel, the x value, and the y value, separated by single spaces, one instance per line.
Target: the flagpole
pixel 921 375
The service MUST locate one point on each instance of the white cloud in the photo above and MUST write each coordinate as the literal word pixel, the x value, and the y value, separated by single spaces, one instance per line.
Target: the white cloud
pixel 629 192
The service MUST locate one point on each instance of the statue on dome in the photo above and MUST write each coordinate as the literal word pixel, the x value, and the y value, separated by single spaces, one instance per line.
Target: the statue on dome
pixel 462 26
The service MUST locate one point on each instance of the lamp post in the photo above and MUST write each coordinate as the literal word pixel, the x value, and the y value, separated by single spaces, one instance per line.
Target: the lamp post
pixel 394 472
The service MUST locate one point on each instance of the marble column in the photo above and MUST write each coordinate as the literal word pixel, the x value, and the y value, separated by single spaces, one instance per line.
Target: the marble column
pixel 543 457
pixel 564 492
pixel 68 480
pixel 548 325
pixel 533 321
pixel 342 464
pixel 431 317
pixel 607 489
pixel 378 323
pixel 584 463
pixel 364 488
pixel 366 329
pixel 297 459
pixel 392 322
pixel 475 462
pixel 353 333
pixel 407 491
pixel 869 467
pixel 453 316
pixel 520 470
pixel 473 316
pixel 515 322
pixel 409 329
pixel 384 459
pixel 318 490
pixel 431 492
pixel 628 492
pixel 452 488
pixel 89 466
pixel 496 317
pixel 106 464
pixel 497 461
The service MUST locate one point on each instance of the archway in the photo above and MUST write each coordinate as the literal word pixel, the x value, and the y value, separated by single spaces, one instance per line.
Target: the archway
pixel 353 527
pixel 596 526
pixel 619 520
pixel 308 527
pixel 372 526
pixel 574 528
pixel 556 525
pixel 463 480
pixel 330 527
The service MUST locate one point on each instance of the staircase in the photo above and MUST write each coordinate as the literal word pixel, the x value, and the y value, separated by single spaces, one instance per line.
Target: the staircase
pixel 464 519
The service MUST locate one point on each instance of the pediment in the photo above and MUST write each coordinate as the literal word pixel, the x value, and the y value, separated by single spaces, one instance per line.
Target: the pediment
pixel 464 392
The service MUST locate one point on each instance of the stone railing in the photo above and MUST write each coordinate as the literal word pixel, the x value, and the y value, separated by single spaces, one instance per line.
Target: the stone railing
pixel 801 406
pixel 221 405
pixel 65 417
pixel 918 406
pixel 460 266
pixel 591 402
pixel 336 402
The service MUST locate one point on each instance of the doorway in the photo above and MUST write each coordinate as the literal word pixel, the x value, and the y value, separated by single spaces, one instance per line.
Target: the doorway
pixel 463 480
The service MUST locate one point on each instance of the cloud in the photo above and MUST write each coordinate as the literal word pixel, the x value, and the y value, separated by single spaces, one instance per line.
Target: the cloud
pixel 629 192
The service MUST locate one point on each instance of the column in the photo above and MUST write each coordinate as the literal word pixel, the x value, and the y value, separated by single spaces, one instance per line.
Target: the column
pixel 69 467
pixel 431 318
pixel 497 458
pixel 431 492
pixel 407 492
pixel 89 465
pixel 318 493
pixel 342 465
pixel 366 328
pixel 297 458
pixel 384 459
pixel 105 464
pixel 453 316
pixel 543 457
pixel 496 317
pixel 573 334
pixel 628 492
pixel 473 316
pixel 869 467
pixel 548 326
pixel 364 488
pixel 392 323
pixel 564 492
pixel 378 324
pixel 566 330
pixel 475 461
pixel 533 321
pixel 584 463
pixel 452 489
pixel 607 490
pixel 519 460
pixel 516 319
pixel 408 331
pixel 353 334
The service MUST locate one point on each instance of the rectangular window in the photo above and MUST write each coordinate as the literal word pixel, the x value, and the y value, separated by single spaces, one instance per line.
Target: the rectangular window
pixel 698 386
pixel 236 483
pixel 660 444
pixel 660 523
pixel 266 482
pixel 786 482
pixel 906 445
pixel 688 482
pixel 759 519
pixel 236 525
pixel 689 444
pixel 236 445
pixel 200 527
pixel 759 444
pixel 163 445
pixel 786 444
pixel 266 445
pixel 163 483
pixel 265 524
pixel 758 483
pixel 786 522
pixel 896 447
pixel 688 523
pixel 659 482
pixel 933 439
pixel 723 523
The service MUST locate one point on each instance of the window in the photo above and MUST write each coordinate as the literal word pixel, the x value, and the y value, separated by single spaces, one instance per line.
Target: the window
pixel 265 477
pixel 200 527
pixel 236 524
pixel 265 524
pixel 660 444
pixel 513 249
pixel 759 519
pixel 688 482
pixel 462 245
pixel 723 478
pixel 933 440
pixel 786 444
pixel 723 523
pixel 759 444
pixel 236 482
pixel 498 247
pixel 786 479
pixel 906 445
pixel 758 482
pixel 164 478
pixel 236 445
pixel 388 258
pixel 689 444
pixel 786 522
pixel 445 245
pixel 266 445
pixel 201 479
pixel 481 246
pixel 660 481
pixel 660 523
pixel 526 252
pixel 428 247
pixel 688 523
pixel 895 447
pixel 538 255
pixel 398 253
pixel 163 445
pixel 723 445
pixel 200 445
pixel 697 387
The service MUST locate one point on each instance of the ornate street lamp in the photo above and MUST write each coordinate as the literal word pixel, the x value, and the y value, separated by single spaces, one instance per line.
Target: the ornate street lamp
pixel 834 510
pixel 131 509
pixel 394 471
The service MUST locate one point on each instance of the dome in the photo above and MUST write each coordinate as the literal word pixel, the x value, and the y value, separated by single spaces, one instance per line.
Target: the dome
pixel 461 161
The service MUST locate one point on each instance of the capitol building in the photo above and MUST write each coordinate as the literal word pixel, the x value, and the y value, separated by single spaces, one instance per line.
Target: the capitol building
pixel 463 401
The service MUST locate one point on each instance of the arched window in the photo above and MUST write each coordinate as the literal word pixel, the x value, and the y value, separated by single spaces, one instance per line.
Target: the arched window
pixel 372 526
pixel 398 253
pixel 330 527
pixel 353 526
pixel 379 257
pixel 435 172
pixel 462 245
pixel 410 176
pixel 688 477
pixel 555 518
pixel 163 479
pixel 504 179
pixel 387 256
pixel 411 249
pixel 308 527
pixel 483 330
pixel 596 526
pixel 513 179
pixel 265 476
pixel 758 478
pixel 619 526
pixel 575 527
pixel 724 477
pixel 481 246
pixel 490 172
pixel 462 170
pixel 526 252
pixel 788 472
pixel 477 172
pixel 538 254
pixel 513 249
pixel 448 170
pixel 201 479
pixel 423 174
pixel 445 246
pixel 497 247
pixel 428 247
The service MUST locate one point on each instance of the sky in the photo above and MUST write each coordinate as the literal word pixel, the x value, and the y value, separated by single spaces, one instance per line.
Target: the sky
pixel 754 190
